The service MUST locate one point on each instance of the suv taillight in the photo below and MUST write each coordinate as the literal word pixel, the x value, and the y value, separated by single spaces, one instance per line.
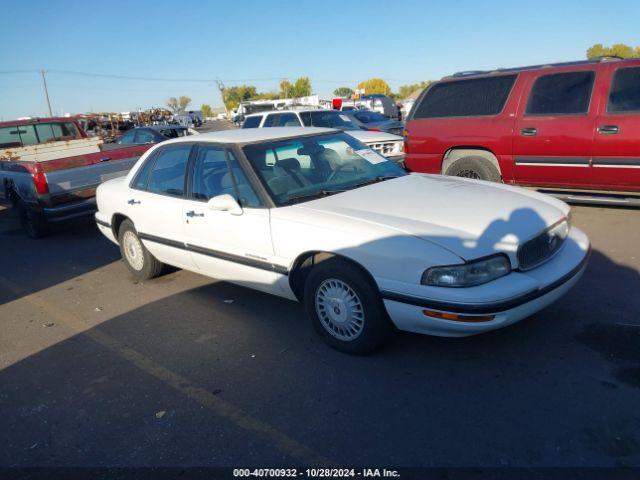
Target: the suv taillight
pixel 40 180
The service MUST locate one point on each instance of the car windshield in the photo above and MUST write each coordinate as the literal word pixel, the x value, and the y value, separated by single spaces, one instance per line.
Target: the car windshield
pixel 370 117
pixel 328 119
pixel 300 169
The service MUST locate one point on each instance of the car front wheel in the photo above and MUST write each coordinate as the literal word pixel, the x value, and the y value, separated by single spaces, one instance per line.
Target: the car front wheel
pixel 137 258
pixel 345 307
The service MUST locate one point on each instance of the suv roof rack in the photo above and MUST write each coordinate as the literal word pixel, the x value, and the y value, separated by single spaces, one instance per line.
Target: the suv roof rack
pixel 464 73
pixel 604 58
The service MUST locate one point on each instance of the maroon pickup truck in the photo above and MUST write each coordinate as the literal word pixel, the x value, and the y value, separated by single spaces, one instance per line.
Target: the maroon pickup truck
pixel 50 169
pixel 572 129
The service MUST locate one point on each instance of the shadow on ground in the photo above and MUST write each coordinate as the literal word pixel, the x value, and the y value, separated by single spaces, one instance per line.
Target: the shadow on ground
pixel 539 393
pixel 36 264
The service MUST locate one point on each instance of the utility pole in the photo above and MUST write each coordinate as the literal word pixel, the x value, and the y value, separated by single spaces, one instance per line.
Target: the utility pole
pixel 221 87
pixel 46 92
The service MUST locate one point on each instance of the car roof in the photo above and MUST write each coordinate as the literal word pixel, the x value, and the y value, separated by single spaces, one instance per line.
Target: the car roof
pixel 549 66
pixel 250 135
pixel 302 110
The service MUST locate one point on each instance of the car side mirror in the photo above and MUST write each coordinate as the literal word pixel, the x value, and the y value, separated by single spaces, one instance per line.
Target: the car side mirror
pixel 225 203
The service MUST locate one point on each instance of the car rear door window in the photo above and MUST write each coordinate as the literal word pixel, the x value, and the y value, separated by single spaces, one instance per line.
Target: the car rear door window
pixel 466 98
pixel 252 122
pixel 168 172
pixel 625 91
pixel 561 94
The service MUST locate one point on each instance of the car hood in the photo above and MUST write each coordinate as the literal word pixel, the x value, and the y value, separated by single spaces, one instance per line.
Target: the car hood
pixel 469 218
pixel 367 136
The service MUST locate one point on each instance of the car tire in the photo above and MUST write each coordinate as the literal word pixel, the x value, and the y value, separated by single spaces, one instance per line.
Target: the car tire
pixel 477 168
pixel 33 222
pixel 345 307
pixel 139 261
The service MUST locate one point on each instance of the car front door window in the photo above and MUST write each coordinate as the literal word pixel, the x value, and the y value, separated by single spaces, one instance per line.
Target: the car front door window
pixel 217 172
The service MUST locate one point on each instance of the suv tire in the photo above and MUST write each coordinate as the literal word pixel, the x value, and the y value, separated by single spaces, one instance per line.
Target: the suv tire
pixel 474 167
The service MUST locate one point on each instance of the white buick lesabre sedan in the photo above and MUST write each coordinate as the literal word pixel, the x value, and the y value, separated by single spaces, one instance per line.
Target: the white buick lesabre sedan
pixel 312 214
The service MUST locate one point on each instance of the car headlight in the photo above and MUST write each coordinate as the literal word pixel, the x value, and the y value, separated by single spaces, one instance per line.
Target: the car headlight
pixel 469 274
pixel 399 147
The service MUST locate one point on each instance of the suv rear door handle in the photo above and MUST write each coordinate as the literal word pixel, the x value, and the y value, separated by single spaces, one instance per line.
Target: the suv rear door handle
pixel 133 201
pixel 191 213
pixel 529 131
pixel 608 129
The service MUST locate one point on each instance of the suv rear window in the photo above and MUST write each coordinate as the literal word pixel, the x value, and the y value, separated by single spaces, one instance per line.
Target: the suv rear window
pixel 625 91
pixel 561 94
pixel 466 98
pixel 252 122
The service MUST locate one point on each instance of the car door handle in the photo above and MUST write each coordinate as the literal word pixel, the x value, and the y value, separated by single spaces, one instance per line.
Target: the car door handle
pixel 529 131
pixel 105 159
pixel 192 214
pixel 608 129
pixel 133 201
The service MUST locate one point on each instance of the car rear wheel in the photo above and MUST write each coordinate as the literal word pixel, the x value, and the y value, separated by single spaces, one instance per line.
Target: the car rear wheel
pixel 474 167
pixel 139 261
pixel 345 307
pixel 33 223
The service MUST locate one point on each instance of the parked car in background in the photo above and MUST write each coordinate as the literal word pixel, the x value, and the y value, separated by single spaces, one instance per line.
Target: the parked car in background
pixel 381 104
pixel 375 122
pixel 389 145
pixel 153 134
pixel 569 128
pixel 314 215
pixel 49 169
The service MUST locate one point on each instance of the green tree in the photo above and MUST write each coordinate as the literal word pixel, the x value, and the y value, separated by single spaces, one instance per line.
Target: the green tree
pixel 232 96
pixel 617 50
pixel 405 90
pixel 344 92
pixel 286 89
pixel 375 85
pixel 302 87
pixel 206 110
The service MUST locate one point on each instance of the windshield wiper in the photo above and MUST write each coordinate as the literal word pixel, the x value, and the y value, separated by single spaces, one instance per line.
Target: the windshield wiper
pixel 309 196
pixel 378 179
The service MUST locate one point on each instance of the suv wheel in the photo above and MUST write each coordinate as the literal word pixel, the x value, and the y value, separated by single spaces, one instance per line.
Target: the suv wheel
pixel 345 307
pixel 137 258
pixel 474 167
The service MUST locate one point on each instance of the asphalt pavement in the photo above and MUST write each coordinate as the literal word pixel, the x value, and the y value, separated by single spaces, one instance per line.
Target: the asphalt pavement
pixel 99 370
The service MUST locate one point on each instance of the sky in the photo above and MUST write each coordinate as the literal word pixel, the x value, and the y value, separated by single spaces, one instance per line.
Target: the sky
pixel 187 45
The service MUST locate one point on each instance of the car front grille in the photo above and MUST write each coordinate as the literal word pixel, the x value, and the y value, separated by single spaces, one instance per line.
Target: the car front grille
pixel 542 247
pixel 385 148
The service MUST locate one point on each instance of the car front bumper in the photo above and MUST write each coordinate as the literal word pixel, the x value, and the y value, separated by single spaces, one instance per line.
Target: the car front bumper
pixel 553 279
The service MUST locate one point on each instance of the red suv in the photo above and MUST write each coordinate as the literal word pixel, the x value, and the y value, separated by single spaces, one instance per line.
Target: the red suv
pixel 568 127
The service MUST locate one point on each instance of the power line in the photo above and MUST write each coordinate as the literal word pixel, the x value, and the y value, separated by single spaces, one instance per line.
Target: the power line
pixel 190 80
